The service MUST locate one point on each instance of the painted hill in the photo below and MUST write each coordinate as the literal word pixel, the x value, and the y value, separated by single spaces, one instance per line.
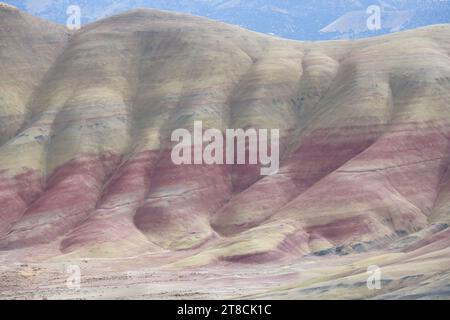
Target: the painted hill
pixel 85 165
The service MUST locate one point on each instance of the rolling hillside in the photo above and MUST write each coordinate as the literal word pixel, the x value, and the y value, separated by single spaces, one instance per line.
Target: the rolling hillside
pixel 85 169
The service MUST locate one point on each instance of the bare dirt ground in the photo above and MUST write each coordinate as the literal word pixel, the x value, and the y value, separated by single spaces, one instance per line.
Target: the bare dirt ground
pixel 307 278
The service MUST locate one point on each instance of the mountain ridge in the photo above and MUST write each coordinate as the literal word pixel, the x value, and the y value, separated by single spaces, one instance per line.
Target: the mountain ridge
pixel 288 19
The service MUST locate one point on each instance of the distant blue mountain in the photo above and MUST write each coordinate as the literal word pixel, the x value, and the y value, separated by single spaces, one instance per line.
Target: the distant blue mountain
pixel 294 19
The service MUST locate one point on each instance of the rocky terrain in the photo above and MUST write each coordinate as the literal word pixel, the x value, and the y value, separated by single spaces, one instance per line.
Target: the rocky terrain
pixel 86 176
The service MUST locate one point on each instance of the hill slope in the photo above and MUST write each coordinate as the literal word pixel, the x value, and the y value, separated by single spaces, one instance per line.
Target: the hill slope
pixel 85 161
